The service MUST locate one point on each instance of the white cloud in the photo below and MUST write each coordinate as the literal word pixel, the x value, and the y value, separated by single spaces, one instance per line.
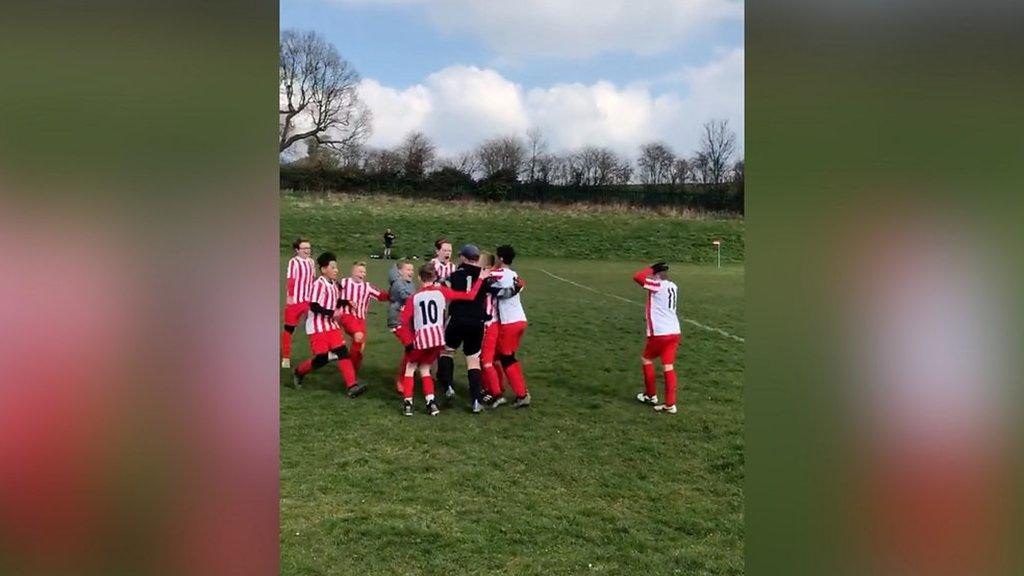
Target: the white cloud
pixel 573 28
pixel 395 112
pixel 458 107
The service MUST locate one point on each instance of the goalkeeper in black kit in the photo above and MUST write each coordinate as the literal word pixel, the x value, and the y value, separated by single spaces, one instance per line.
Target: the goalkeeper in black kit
pixel 465 328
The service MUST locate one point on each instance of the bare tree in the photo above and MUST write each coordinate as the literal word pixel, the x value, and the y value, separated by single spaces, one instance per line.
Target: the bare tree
pixel 318 157
pixel 318 94
pixel 655 163
pixel 417 152
pixel 717 146
pixel 545 168
pixel 536 148
pixel 682 172
pixel 598 166
pixel 506 154
pixel 466 162
pixel 384 163
pixel 623 172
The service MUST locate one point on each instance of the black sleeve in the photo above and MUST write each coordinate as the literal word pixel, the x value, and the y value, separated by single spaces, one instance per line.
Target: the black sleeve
pixel 316 308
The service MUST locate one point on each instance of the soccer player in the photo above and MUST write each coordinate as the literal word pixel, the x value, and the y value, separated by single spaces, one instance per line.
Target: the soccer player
pixel 443 266
pixel 299 282
pixel 401 288
pixel 493 373
pixel 389 239
pixel 355 297
pixel 465 327
pixel 512 324
pixel 422 332
pixel 324 332
pixel 662 334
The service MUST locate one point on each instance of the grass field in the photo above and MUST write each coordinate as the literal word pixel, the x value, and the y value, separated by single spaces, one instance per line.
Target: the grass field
pixel 587 480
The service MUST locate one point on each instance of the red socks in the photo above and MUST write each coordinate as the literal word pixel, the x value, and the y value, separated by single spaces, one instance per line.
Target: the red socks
pixel 649 387
pixel 305 368
pixel 286 344
pixel 357 354
pixel 499 377
pixel 400 380
pixel 516 380
pixel 491 382
pixel 348 372
pixel 428 386
pixel 670 388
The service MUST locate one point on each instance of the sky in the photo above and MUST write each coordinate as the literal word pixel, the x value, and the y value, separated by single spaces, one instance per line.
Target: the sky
pixel 615 73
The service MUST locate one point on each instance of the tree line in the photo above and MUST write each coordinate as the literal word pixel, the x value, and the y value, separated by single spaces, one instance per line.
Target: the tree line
pixel 527 159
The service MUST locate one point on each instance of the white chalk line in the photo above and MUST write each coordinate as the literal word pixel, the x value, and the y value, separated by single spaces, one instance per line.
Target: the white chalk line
pixel 687 320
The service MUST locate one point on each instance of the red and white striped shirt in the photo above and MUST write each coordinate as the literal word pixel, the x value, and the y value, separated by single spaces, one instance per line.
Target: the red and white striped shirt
pixel 325 293
pixel 358 294
pixel 662 301
pixel 424 314
pixel 300 279
pixel 442 270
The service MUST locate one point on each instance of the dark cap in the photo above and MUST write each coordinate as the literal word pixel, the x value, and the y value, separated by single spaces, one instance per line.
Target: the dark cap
pixel 470 251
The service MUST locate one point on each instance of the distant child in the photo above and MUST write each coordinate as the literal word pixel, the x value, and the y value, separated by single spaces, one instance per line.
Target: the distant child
pixel 389 240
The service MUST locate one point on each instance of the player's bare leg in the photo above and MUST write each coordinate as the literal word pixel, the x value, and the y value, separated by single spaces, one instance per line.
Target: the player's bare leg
pixel 650 393
pixel 669 407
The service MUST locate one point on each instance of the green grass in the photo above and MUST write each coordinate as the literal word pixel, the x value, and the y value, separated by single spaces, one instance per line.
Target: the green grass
pixel 586 481
pixel 541 231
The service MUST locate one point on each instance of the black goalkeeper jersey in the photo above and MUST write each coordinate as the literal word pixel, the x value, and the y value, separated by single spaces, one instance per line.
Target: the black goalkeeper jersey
pixel 462 279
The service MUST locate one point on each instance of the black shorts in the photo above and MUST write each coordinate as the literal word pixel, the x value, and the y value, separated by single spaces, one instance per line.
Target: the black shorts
pixel 468 335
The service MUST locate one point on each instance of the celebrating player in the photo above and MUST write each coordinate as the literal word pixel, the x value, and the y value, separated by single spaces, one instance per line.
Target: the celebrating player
pixel 662 334
pixel 422 332
pixel 401 288
pixel 512 324
pixel 465 327
pixel 492 371
pixel 355 296
pixel 324 332
pixel 299 281
pixel 443 266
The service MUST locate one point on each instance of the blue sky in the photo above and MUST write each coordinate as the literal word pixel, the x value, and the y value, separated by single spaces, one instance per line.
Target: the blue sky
pixel 604 72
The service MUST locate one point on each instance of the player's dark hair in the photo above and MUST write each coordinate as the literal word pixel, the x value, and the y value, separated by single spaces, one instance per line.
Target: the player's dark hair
pixel 427 272
pixel 324 260
pixel 507 253
pixel 439 242
pixel 298 241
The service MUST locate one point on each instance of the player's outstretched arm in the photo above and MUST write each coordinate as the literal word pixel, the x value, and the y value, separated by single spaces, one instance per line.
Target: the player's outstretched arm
pixel 452 295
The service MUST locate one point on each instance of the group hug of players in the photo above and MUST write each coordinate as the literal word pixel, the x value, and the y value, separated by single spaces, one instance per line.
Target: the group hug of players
pixel 474 306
